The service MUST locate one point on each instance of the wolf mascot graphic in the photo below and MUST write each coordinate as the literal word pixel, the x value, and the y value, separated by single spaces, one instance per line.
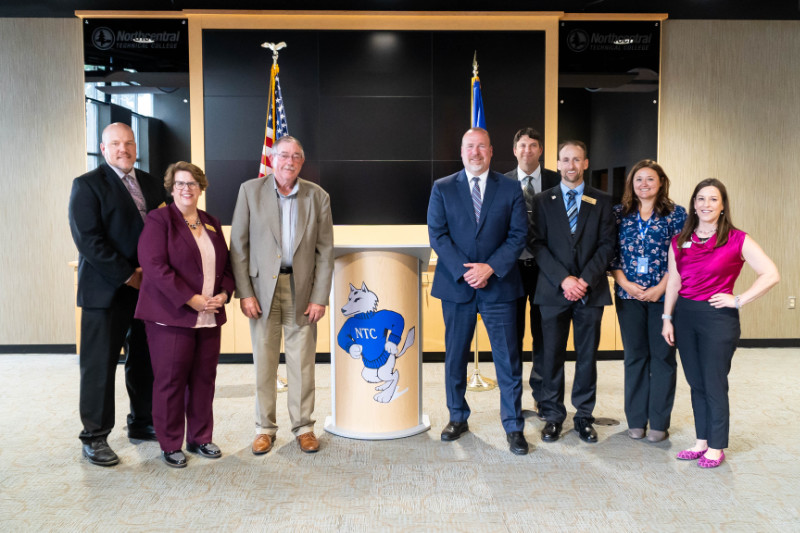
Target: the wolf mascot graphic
pixel 373 337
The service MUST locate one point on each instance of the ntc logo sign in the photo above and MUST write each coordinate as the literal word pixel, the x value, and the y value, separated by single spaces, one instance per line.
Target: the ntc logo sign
pixel 103 38
pixel 577 40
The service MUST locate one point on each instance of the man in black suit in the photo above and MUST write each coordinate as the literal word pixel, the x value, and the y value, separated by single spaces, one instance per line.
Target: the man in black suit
pixel 573 242
pixel 533 178
pixel 107 207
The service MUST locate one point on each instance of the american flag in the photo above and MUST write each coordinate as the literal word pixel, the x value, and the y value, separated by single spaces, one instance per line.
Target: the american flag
pixel 276 115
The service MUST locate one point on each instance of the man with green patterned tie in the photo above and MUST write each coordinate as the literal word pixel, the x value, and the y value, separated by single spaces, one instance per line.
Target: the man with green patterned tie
pixel 533 178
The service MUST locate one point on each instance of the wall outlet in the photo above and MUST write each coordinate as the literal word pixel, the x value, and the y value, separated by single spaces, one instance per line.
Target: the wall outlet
pixel 792 302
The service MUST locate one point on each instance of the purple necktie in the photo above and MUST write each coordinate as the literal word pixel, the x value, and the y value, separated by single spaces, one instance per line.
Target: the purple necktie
pixel 136 193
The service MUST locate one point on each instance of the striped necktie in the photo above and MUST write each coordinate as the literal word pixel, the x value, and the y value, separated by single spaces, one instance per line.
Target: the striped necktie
pixel 136 193
pixel 476 198
pixel 528 188
pixel 572 211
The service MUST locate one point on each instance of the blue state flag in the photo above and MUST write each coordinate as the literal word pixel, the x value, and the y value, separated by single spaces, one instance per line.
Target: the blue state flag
pixel 478 118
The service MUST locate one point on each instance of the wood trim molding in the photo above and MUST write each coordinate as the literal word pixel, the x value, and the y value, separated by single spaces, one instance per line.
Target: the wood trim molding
pixel 130 15
pixel 616 16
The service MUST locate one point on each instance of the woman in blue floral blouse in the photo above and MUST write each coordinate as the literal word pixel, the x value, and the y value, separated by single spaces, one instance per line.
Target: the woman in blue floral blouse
pixel 646 222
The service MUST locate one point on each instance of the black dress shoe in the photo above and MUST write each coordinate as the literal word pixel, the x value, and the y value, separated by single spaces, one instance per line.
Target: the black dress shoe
pixel 551 431
pixel 145 433
pixel 585 430
pixel 517 443
pixel 454 430
pixel 208 449
pixel 100 453
pixel 175 459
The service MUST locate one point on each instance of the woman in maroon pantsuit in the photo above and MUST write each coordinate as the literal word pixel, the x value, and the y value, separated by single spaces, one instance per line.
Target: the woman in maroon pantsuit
pixel 187 280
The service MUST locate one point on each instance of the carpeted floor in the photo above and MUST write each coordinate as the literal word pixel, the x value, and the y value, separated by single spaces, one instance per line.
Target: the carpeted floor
pixel 415 484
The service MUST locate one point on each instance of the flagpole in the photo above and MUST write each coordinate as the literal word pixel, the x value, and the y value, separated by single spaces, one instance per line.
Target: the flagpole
pixel 476 381
pixel 472 90
pixel 281 385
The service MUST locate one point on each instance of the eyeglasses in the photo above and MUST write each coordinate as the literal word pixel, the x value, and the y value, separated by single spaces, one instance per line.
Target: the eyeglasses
pixel 192 185
pixel 293 157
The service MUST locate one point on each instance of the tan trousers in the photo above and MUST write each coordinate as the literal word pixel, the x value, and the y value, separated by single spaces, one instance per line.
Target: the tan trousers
pixel 300 344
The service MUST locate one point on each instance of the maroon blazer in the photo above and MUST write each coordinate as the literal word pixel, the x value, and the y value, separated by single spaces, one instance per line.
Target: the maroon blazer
pixel 172 269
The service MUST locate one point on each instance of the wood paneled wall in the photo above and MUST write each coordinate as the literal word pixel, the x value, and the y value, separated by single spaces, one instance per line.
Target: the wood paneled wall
pixel 730 109
pixel 42 147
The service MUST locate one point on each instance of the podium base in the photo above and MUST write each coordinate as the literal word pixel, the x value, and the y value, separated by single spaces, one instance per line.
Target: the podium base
pixel 421 428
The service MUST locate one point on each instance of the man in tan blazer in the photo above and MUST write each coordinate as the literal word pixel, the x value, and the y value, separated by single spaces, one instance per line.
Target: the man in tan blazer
pixel 282 257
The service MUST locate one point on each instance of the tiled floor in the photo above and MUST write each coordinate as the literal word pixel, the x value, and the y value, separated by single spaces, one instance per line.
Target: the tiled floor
pixel 415 484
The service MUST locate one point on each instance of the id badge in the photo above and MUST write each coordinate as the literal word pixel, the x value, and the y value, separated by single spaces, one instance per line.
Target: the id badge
pixel 641 265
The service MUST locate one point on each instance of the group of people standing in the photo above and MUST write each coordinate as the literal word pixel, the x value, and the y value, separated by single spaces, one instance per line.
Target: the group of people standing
pixel 563 249
pixel 154 278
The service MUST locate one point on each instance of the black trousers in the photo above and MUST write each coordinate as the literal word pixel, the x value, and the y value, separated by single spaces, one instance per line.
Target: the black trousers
pixel 650 364
pixel 530 274
pixel 586 336
pixel 706 339
pixel 104 332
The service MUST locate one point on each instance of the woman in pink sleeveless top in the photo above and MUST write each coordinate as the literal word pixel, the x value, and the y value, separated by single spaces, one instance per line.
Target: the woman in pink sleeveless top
pixel 705 260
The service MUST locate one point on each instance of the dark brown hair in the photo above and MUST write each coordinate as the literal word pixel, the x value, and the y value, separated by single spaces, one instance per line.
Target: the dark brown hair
pixel 530 132
pixel 724 223
pixel 630 202
pixel 579 144
pixel 198 175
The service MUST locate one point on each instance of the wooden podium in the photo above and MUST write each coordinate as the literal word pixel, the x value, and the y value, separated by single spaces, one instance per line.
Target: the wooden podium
pixel 376 342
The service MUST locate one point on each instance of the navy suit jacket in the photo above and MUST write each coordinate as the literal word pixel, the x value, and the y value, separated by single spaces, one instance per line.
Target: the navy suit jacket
pixel 497 239
pixel 586 254
pixel 172 268
pixel 105 226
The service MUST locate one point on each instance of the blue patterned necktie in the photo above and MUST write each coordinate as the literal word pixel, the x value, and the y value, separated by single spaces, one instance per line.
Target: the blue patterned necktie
pixel 476 198
pixel 572 211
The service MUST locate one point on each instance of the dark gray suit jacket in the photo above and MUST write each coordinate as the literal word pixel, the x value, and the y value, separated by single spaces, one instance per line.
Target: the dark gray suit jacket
pixel 586 254
pixel 549 179
pixel 105 226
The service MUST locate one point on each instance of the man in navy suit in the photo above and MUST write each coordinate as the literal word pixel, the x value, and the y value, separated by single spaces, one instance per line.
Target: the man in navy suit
pixel 477 227
pixel 533 178
pixel 107 207
pixel 573 239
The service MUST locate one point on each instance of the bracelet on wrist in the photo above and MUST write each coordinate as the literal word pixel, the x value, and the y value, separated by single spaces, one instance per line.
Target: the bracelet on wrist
pixel 737 302
pixel 666 317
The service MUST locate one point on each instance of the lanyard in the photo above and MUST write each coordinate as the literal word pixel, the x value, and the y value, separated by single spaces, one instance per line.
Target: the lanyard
pixel 643 231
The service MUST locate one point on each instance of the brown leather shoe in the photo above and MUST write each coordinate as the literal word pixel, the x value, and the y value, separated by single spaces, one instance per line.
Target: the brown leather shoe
pixel 262 444
pixel 308 442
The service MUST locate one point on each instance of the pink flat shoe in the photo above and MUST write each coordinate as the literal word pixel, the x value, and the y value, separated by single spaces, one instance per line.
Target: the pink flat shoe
pixel 690 455
pixel 710 463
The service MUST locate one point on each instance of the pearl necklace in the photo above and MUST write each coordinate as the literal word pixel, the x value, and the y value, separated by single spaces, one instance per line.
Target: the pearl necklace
pixel 701 233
